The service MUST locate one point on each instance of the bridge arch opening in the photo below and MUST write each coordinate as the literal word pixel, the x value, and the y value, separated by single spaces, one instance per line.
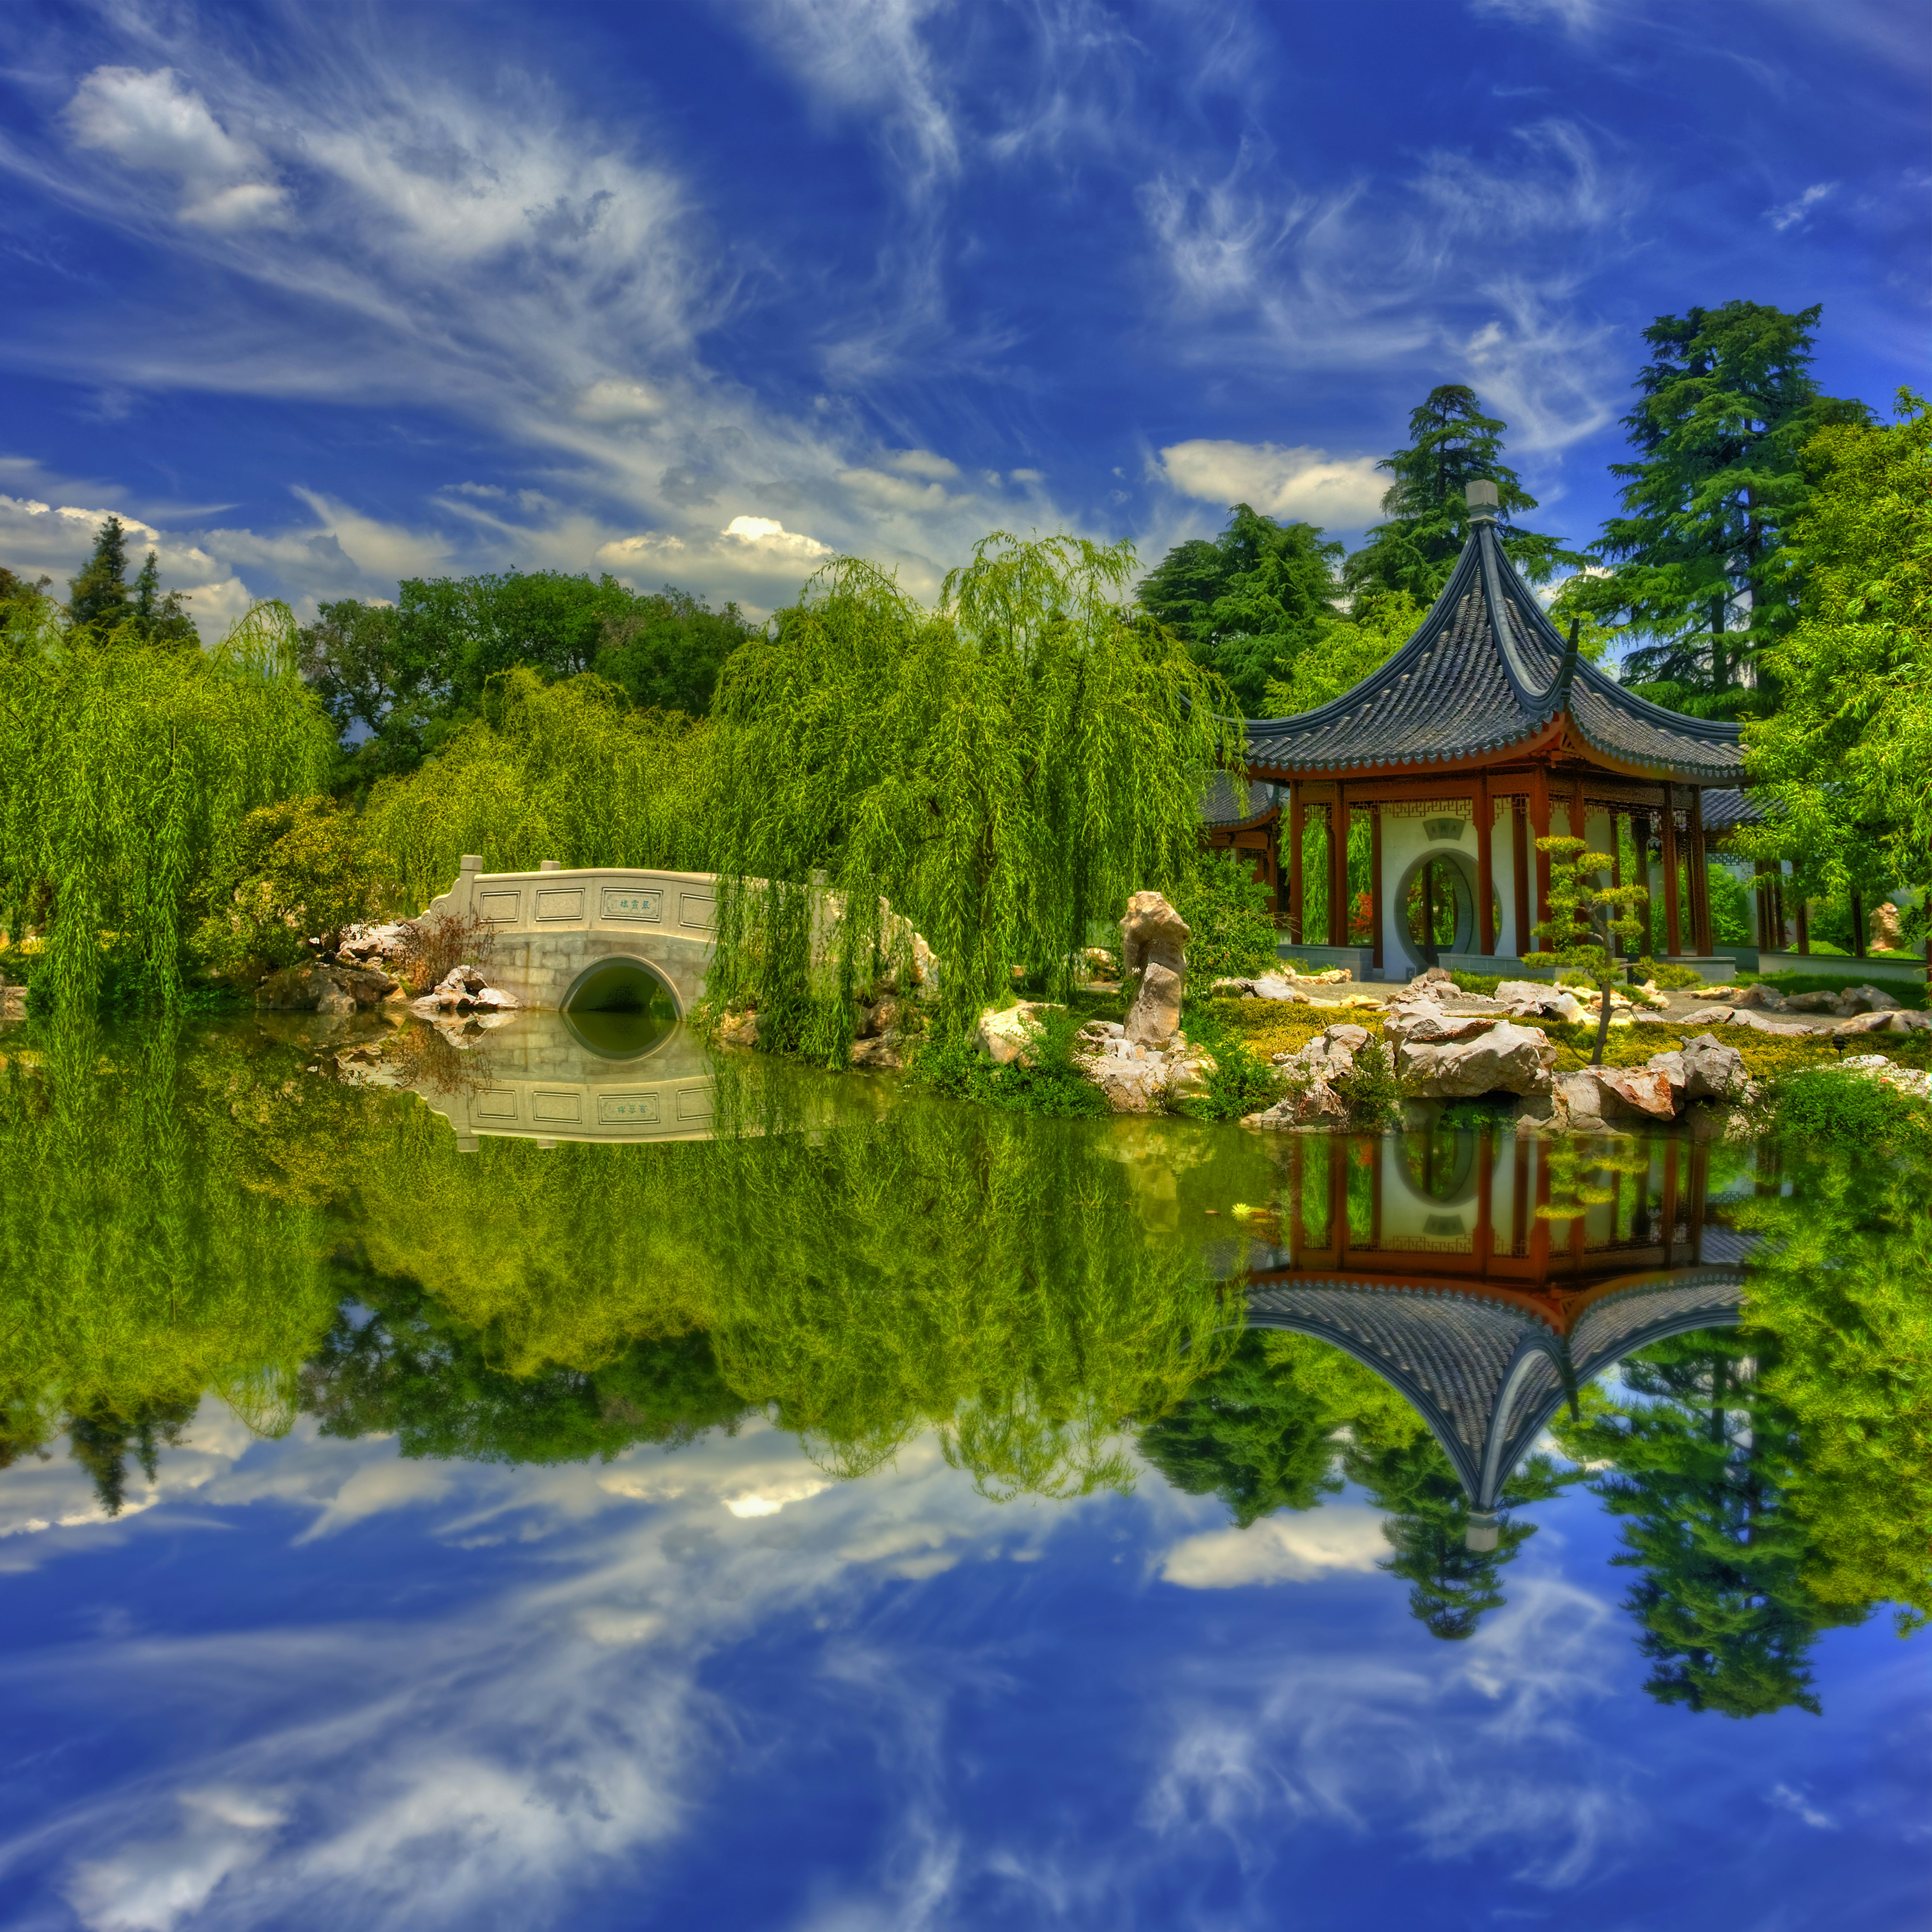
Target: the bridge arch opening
pixel 620 1009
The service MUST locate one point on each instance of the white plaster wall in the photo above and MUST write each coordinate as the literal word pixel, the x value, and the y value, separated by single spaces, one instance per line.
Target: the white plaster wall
pixel 1405 842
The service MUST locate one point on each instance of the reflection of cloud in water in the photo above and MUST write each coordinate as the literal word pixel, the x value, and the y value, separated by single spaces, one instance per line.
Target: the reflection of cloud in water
pixel 502 1727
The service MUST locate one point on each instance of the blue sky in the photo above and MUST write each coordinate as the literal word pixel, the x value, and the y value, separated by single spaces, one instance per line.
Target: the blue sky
pixel 305 1683
pixel 705 290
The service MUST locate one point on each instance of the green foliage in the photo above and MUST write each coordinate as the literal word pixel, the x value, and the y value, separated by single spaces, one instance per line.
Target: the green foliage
pixel 1230 918
pixel 129 772
pixel 1702 581
pixel 141 1263
pixel 1239 1083
pixel 100 603
pixel 1256 594
pixel 1483 984
pixel 1700 1460
pixel 1343 652
pixel 1373 1090
pixel 1838 1306
pixel 1845 765
pixel 411 676
pixel 1820 1103
pixel 1452 444
pixel 1906 992
pixel 1666 975
pixel 293 870
pixel 1579 932
pixel 1043 1082
pixel 1004 770
pixel 571 771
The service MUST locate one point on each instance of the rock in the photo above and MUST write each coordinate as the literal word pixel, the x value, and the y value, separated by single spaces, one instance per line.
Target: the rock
pixel 1516 992
pixel 1273 986
pixel 1765 999
pixel 1330 1055
pixel 881 1016
pixel 1187 1073
pixel 1903 1021
pixel 299 989
pixel 1646 1090
pixel 1100 964
pixel 1312 1109
pixel 1744 1017
pixel 1579 1098
pixel 735 1029
pixel 880 1053
pixel 372 945
pixel 1156 1012
pixel 1884 935
pixel 1131 1086
pixel 1424 1022
pixel 1432 976
pixel 1154 940
pixel 1006 1034
pixel 1711 1070
pixel 1714 992
pixel 1867 1000
pixel 1502 1059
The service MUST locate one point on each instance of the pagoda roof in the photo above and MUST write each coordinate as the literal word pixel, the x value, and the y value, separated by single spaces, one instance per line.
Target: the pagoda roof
pixel 1487 670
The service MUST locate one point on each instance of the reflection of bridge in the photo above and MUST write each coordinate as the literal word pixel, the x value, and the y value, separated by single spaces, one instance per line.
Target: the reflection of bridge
pixel 1434 1260
pixel 604 935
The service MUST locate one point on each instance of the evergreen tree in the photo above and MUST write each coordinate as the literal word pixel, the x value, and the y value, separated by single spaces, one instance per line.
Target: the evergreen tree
pixel 161 617
pixel 1452 444
pixel 1253 597
pixel 97 599
pixel 1700 1460
pixel 1699 564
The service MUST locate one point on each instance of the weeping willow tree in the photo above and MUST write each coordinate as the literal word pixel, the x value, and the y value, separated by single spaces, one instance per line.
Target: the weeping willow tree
pixel 572 772
pixel 147 1257
pixel 1003 769
pixel 124 773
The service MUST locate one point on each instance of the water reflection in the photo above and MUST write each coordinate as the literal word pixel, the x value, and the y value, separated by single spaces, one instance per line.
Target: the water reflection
pixel 1437 1318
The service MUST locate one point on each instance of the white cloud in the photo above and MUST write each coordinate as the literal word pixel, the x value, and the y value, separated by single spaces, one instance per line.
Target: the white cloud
pixel 1578 16
pixel 1797 214
pixel 611 399
pixel 1285 1548
pixel 770 537
pixel 1800 1806
pixel 1344 492
pixel 151 1885
pixel 157 122
pixel 924 463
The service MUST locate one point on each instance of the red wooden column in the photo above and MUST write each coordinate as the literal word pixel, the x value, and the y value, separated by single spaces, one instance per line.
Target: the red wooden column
pixel 1640 853
pixel 1673 924
pixel 1616 878
pixel 1486 918
pixel 1519 867
pixel 1375 884
pixel 1700 878
pixel 1338 867
pixel 1539 826
pixel 1579 821
pixel 1297 827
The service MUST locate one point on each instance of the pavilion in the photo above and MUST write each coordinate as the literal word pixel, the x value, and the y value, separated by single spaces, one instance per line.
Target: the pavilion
pixel 1486 732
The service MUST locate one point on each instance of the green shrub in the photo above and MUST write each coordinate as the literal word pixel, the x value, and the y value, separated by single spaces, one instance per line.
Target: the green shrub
pixel 1240 1081
pixel 1230 920
pixel 1906 992
pixel 1046 1084
pixel 1670 978
pixel 1825 1104
pixel 1373 1091
pixel 1482 984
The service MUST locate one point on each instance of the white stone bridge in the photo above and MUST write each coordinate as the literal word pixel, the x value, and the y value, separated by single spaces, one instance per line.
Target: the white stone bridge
pixel 597 939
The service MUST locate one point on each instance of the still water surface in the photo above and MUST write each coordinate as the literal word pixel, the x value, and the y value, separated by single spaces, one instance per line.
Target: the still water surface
pixel 556 1482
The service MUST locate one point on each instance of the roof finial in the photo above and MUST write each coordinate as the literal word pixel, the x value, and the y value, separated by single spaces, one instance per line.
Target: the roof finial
pixel 1480 496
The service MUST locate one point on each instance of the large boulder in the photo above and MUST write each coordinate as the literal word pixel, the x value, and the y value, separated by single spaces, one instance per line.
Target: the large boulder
pixel 1008 1033
pixel 1763 999
pixel 1711 1071
pixel 1426 1022
pixel 1330 1055
pixel 303 989
pixel 1153 942
pixel 1643 1090
pixel 1503 1059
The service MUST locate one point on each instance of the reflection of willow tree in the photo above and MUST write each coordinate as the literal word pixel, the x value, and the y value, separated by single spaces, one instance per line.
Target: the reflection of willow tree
pixel 1286 1419
pixel 140 1263
pixel 927 1266
pixel 1702 1461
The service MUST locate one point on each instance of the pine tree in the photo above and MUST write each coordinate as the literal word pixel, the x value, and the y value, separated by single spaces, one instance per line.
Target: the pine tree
pixel 161 617
pixel 1250 599
pixel 1451 445
pixel 97 599
pixel 1700 567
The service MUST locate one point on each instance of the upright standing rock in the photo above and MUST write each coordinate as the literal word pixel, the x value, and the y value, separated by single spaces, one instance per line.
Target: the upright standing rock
pixel 1153 940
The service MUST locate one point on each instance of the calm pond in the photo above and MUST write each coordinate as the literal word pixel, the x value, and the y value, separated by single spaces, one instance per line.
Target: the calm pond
pixel 557 1479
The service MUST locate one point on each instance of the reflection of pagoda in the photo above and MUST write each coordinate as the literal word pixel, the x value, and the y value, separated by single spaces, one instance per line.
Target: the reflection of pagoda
pixel 1445 1262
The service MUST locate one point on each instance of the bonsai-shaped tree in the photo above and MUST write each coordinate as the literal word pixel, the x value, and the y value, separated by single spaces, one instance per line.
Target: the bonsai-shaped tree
pixel 1580 928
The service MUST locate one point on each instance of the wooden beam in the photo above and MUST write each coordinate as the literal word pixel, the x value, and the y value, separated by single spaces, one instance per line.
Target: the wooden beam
pixel 1486 918
pixel 1673 925
pixel 1298 828
pixel 1375 911
pixel 1519 858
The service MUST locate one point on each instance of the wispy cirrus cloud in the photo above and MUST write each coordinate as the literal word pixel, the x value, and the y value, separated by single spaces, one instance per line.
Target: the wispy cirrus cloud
pixel 1797 212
